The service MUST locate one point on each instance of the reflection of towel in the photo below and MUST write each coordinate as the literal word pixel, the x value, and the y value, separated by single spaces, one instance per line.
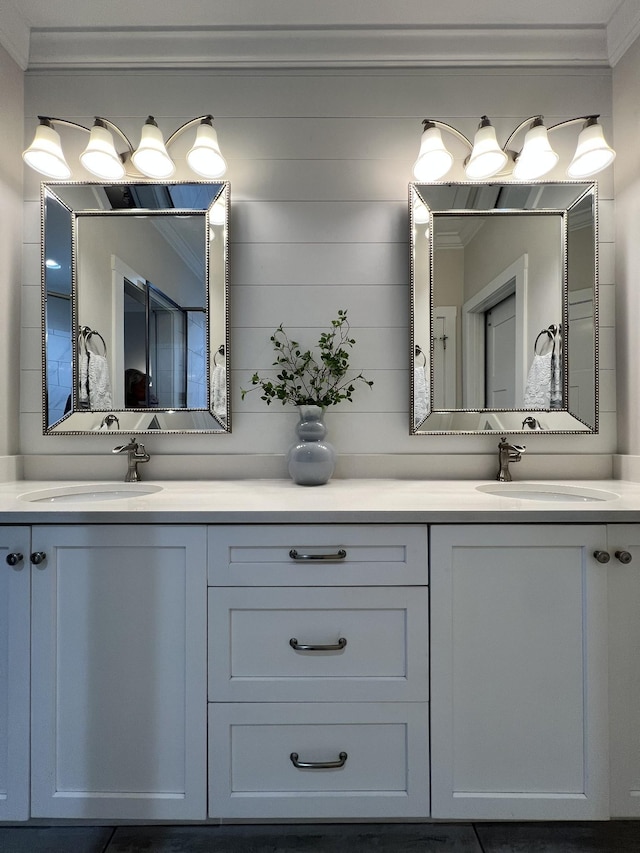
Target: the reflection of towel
pixel 544 386
pixel 555 401
pixel 219 391
pixel 99 383
pixel 94 386
pixel 420 394
pixel 83 376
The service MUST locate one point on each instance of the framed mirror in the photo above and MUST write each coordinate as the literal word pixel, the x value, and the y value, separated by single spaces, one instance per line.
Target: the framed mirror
pixel 504 308
pixel 135 332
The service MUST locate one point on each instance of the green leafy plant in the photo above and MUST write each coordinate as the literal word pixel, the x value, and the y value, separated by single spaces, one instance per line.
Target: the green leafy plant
pixel 308 378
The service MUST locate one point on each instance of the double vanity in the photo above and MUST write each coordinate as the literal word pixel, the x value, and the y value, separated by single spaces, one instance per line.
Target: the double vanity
pixel 251 650
pixel 193 651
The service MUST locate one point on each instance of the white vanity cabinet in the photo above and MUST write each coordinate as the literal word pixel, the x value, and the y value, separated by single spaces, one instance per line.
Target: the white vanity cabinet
pixel 519 672
pixel 624 668
pixel 14 672
pixel 119 672
pixel 318 671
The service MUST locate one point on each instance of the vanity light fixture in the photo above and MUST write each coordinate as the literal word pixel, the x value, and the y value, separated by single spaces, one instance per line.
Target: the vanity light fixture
pixel 151 156
pixel 101 158
pixel 45 152
pixel 486 158
pixel 536 158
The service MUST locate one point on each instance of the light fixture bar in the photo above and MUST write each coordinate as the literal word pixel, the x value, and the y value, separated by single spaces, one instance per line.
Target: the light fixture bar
pixel 151 159
pixel 536 158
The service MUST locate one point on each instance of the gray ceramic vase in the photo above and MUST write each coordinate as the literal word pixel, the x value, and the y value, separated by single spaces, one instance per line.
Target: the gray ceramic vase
pixel 311 459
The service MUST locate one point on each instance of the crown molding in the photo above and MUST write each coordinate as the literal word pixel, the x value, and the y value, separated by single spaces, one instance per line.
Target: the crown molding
pixel 14 34
pixel 622 30
pixel 317 47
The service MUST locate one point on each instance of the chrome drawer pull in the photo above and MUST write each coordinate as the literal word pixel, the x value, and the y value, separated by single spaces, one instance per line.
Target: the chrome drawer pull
pixel 318 765
pixel 301 647
pixel 339 555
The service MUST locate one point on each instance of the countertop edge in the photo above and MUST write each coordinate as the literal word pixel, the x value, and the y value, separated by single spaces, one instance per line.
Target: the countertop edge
pixel 339 502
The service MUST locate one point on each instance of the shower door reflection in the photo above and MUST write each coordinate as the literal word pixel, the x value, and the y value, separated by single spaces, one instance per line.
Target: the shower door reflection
pixel 164 350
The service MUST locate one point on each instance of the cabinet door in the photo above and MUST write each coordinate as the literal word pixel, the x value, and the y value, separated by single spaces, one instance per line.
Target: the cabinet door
pixel 519 672
pixel 624 669
pixel 14 673
pixel 119 673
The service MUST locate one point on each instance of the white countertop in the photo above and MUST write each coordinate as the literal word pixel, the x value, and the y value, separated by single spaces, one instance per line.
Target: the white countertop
pixel 340 501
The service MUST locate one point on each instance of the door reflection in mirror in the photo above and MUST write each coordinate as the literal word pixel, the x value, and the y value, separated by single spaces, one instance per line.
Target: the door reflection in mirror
pixel 164 350
pixel 504 274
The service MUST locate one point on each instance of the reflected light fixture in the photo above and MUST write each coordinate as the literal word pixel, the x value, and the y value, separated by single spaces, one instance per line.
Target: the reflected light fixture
pixel 101 158
pixel 487 159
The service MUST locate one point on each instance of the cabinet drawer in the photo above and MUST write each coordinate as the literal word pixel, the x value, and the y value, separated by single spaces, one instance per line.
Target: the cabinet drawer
pixel 383 750
pixel 318 555
pixel 378 642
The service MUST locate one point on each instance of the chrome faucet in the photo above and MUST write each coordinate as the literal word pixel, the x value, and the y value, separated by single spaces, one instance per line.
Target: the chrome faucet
pixel 508 453
pixel 135 453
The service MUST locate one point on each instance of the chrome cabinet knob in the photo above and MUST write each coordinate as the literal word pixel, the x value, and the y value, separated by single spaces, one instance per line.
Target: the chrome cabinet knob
pixel 14 559
pixel 602 556
pixel 624 557
pixel 38 557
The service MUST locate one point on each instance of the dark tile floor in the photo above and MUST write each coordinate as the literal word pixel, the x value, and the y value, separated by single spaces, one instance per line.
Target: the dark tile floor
pixel 613 837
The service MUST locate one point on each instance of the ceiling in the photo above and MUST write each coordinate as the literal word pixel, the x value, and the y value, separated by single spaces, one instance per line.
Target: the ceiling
pixel 310 33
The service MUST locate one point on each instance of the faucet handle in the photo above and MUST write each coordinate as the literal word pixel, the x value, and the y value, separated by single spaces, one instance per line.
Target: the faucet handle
pixel 124 448
pixel 506 445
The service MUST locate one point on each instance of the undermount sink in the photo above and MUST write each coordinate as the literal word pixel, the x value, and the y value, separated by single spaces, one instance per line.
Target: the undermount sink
pixel 547 492
pixel 91 492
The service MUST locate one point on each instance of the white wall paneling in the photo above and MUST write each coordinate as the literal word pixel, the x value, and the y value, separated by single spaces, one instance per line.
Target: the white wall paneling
pixel 11 110
pixel 319 163
pixel 627 248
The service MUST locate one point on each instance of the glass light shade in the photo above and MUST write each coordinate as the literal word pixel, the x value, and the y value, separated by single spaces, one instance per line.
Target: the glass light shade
pixel 487 158
pixel 537 156
pixel 151 157
pixel 45 154
pixel 100 156
pixel 592 153
pixel 204 156
pixel 434 160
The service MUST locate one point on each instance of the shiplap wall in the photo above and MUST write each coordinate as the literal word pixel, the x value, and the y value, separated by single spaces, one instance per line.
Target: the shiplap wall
pixel 11 106
pixel 627 186
pixel 319 164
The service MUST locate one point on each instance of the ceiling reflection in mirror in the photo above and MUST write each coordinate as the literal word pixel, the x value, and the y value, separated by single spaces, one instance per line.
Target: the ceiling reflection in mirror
pixel 135 307
pixel 504 308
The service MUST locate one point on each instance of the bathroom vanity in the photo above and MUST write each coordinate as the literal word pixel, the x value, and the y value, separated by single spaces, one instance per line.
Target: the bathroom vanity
pixel 371 649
